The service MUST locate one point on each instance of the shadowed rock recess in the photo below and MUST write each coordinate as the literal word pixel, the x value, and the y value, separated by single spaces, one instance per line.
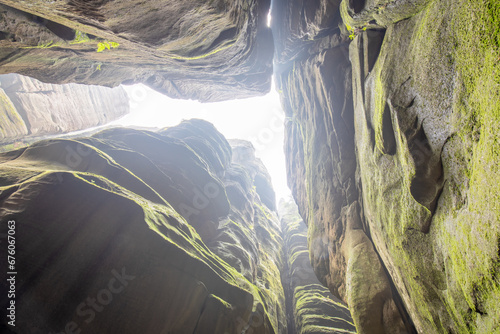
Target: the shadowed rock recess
pixel 392 144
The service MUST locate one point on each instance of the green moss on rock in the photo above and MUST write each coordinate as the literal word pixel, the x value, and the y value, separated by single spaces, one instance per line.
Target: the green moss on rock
pixel 441 68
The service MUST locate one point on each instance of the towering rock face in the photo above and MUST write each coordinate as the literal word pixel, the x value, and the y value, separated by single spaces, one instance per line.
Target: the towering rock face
pixel 311 307
pixel 205 50
pixel 138 232
pixel 426 118
pixel 391 145
pixel 31 108
pixel 320 147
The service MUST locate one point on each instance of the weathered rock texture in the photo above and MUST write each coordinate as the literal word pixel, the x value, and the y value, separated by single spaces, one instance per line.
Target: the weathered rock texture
pixel 205 50
pixel 391 149
pixel 138 232
pixel 427 118
pixel 316 95
pixel 311 307
pixel 31 108
pixel 171 232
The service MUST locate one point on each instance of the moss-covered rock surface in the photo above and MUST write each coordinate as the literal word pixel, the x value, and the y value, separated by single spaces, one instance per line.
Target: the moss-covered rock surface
pixel 427 158
pixel 412 178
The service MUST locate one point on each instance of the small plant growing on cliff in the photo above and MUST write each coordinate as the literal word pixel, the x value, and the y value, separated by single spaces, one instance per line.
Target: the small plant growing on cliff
pixel 101 46
pixel 80 37
pixel 353 32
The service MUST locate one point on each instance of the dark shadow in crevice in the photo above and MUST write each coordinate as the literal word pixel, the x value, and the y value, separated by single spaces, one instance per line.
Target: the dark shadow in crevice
pixel 372 43
pixel 396 297
pixel 357 5
pixel 428 182
pixel 388 138
pixel 5 35
pixel 87 8
pixel 427 185
pixel 58 29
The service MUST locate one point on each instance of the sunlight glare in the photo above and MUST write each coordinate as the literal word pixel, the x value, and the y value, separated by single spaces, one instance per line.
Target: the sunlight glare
pixel 259 120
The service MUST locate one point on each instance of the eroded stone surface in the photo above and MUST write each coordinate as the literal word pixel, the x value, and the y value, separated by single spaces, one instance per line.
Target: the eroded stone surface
pixel 388 172
pixel 34 109
pixel 391 139
pixel 133 231
pixel 417 99
pixel 321 164
pixel 311 306
pixel 205 50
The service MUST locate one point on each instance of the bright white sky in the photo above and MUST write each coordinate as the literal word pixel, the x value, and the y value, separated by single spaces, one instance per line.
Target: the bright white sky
pixel 258 119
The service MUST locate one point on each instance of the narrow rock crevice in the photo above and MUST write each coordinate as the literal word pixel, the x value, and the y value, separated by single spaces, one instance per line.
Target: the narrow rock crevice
pixel 58 29
pixel 372 43
pixel 388 138
pixel 357 5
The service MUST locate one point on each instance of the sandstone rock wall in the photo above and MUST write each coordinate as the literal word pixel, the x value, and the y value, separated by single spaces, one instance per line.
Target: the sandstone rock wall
pixel 389 141
pixel 425 139
pixel 32 108
pixel 169 232
pixel 311 307
pixel 321 164
pixel 205 50
pixel 392 117
pixel 137 232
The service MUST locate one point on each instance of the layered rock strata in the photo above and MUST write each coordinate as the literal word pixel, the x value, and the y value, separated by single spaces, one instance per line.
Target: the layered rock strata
pixel 205 50
pixel 391 137
pixel 321 164
pixel 133 231
pixel 390 149
pixel 312 309
pixel 31 108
